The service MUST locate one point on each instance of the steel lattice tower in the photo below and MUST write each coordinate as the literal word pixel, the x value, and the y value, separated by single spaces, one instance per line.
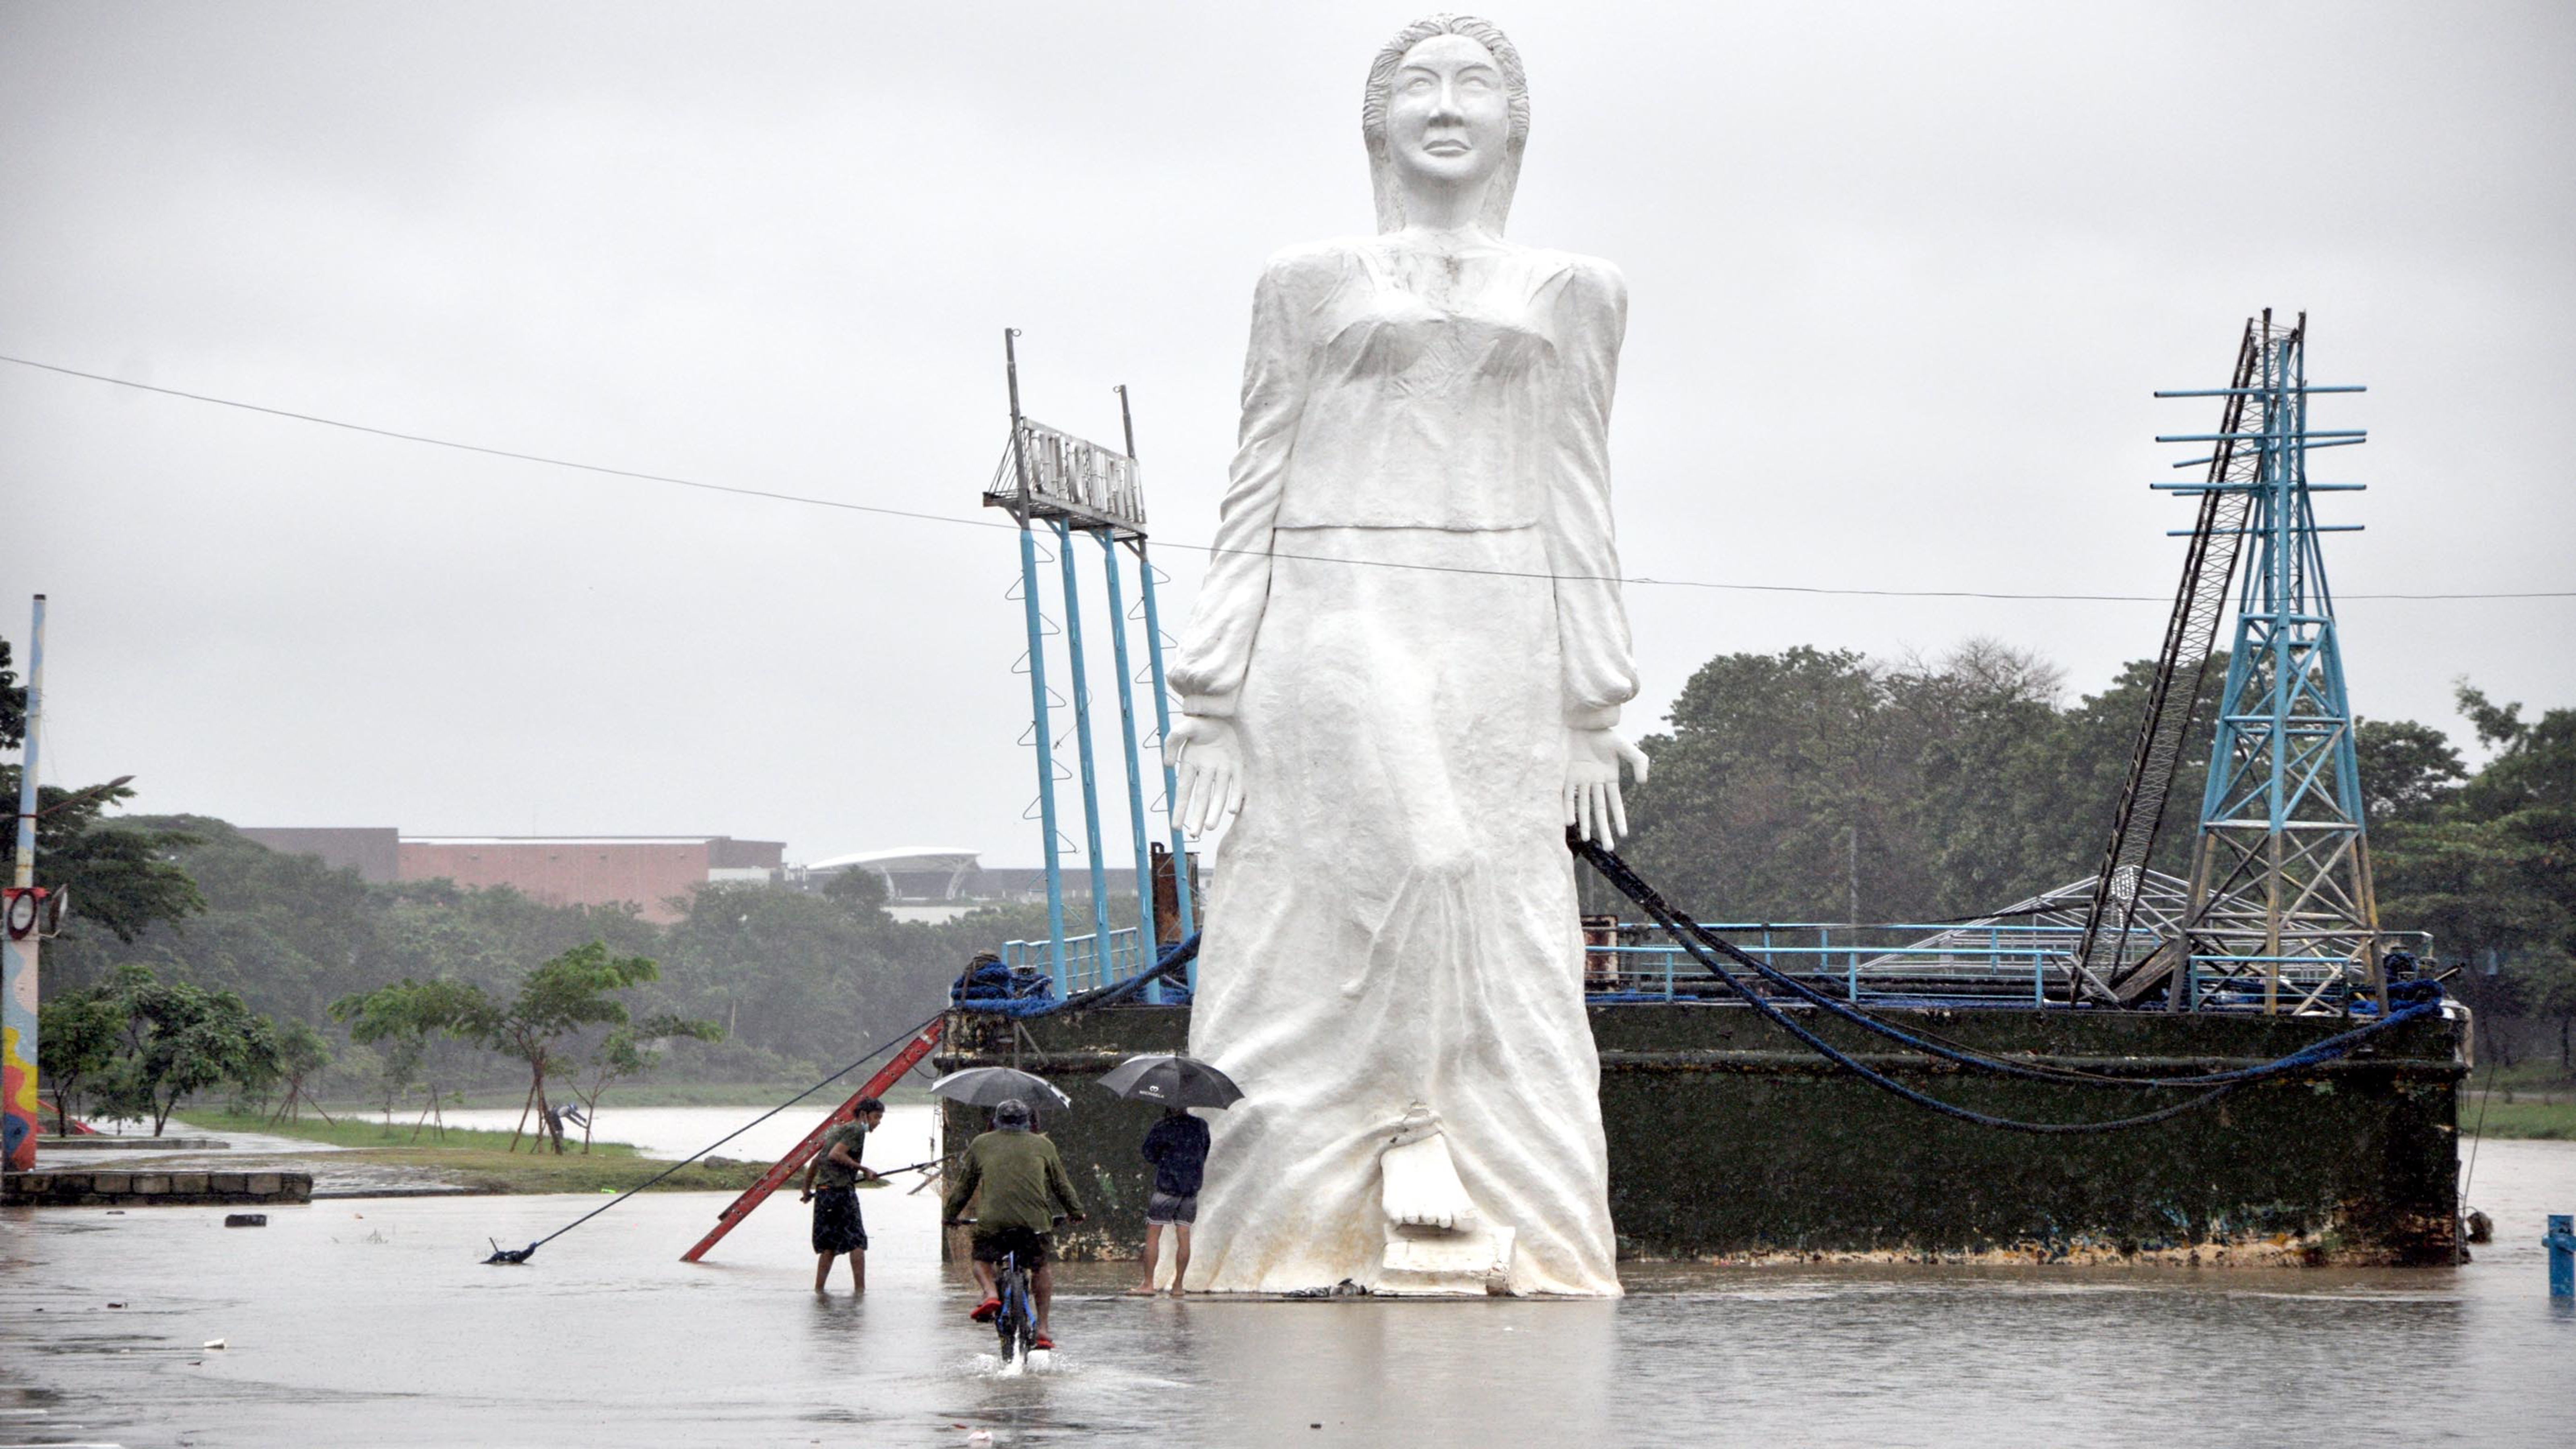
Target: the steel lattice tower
pixel 2280 884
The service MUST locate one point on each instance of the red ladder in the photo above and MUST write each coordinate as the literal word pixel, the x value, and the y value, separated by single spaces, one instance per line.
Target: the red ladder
pixel 794 1162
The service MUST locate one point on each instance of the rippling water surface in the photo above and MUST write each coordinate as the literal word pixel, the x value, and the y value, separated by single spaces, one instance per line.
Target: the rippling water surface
pixel 373 1322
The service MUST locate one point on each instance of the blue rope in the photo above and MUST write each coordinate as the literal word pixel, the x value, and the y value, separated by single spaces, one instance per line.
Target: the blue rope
pixel 1175 956
pixel 1697 941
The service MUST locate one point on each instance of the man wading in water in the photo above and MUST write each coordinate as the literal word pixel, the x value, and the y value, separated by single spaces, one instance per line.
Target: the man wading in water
pixel 1023 1189
pixel 837 1226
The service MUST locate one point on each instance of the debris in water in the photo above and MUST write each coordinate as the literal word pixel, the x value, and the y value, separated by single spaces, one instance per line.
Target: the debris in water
pixel 245 1220
pixel 217 1343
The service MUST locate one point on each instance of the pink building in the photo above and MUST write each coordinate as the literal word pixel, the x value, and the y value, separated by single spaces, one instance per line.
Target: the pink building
pixel 560 870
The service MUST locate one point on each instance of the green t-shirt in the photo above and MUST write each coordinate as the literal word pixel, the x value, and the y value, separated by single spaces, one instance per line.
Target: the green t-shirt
pixel 828 1173
pixel 1021 1181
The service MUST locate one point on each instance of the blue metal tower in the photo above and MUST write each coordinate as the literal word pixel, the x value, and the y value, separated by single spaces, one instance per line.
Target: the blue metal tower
pixel 2280 907
pixel 1070 487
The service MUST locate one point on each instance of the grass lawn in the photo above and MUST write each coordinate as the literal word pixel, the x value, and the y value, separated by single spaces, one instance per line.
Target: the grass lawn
pixel 489 1169
pixel 481 1161
pixel 371 1132
pixel 2524 1117
pixel 914 1090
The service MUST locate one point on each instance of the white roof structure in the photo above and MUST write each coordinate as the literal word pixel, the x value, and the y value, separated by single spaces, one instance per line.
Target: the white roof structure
pixel 902 857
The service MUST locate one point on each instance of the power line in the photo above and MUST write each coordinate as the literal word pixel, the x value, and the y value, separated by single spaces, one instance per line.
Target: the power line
pixel 505 452
pixel 949 518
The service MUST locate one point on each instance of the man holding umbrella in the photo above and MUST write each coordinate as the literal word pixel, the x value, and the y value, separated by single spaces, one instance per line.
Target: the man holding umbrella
pixel 1022 1186
pixel 1177 1145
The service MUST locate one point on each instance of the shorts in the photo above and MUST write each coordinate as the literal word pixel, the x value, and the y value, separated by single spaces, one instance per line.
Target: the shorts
pixel 999 1243
pixel 1164 1207
pixel 837 1225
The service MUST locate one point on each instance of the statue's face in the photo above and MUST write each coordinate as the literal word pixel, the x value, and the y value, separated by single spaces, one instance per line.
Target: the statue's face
pixel 1448 116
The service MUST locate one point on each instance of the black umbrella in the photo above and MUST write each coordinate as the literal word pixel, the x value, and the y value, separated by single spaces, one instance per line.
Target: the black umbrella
pixel 1174 1081
pixel 992 1086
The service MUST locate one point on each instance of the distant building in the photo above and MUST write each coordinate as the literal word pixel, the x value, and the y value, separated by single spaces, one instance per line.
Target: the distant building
pixel 373 851
pixel 941 883
pixel 559 870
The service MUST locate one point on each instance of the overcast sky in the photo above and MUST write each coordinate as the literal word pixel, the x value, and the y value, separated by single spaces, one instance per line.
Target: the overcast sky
pixel 1901 281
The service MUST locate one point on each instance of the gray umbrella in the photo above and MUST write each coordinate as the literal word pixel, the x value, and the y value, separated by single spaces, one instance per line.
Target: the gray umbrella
pixel 1174 1081
pixel 992 1086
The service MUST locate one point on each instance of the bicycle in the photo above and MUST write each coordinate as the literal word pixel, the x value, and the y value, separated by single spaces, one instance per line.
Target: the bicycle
pixel 1017 1321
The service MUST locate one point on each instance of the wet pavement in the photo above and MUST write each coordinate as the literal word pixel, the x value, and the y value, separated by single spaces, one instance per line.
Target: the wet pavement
pixel 375 1322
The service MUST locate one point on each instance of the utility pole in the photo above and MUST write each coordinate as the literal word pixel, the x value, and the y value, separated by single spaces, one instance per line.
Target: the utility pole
pixel 19 1113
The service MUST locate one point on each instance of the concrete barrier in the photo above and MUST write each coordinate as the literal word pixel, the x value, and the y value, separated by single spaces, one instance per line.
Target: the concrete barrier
pixel 152 1189
pixel 1728 1139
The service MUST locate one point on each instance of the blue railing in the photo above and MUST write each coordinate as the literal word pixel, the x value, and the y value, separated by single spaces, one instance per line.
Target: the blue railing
pixel 1932 964
pixel 1896 962
pixel 1939 964
pixel 1086 964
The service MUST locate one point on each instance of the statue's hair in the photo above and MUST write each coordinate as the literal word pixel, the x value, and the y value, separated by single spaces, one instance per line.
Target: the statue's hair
pixel 1381 86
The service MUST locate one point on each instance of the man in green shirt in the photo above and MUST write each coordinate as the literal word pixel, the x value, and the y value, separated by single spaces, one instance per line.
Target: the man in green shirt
pixel 838 1228
pixel 1022 1189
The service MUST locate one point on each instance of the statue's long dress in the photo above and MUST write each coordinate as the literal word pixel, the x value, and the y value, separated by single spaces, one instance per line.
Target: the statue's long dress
pixel 1393 917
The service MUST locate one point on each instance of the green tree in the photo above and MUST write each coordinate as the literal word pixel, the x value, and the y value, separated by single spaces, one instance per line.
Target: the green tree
pixel 80 1032
pixel 399 1021
pixel 182 1039
pixel 627 1053
pixel 857 889
pixel 302 1054
pixel 566 995
pixel 1818 785
pixel 2490 868
pixel 119 876
pixel 2409 771
pixel 13 703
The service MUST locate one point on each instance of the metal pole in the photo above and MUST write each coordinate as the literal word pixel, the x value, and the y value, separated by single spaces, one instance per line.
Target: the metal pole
pixel 1163 732
pixel 1044 731
pixel 20 1115
pixel 1081 687
pixel 1127 713
pixel 1135 766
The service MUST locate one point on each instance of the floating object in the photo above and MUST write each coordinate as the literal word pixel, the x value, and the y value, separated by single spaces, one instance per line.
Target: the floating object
pixel 2561 1243
pixel 1173 1080
pixel 217 1343
pixel 992 1086
pixel 245 1220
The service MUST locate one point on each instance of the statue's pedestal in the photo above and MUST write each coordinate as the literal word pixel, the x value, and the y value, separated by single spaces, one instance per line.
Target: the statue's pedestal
pixel 1427 1263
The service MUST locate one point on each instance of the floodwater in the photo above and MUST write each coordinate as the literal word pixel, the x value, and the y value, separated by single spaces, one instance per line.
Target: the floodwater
pixel 374 1322
pixel 680 1131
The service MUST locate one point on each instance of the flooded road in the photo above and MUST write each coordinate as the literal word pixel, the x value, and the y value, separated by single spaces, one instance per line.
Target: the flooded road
pixel 374 1322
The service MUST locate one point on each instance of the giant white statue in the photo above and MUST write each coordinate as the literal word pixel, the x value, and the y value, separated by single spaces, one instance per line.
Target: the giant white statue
pixel 1402 678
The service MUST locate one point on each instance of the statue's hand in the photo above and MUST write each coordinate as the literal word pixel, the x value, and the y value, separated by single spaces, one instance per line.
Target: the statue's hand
pixel 1592 801
pixel 1206 757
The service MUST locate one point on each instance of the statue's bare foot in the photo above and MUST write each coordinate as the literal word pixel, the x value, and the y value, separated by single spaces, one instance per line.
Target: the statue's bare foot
pixel 1419 1182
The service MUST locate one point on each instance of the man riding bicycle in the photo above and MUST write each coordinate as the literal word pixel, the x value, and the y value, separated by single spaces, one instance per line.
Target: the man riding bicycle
pixel 1023 1189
